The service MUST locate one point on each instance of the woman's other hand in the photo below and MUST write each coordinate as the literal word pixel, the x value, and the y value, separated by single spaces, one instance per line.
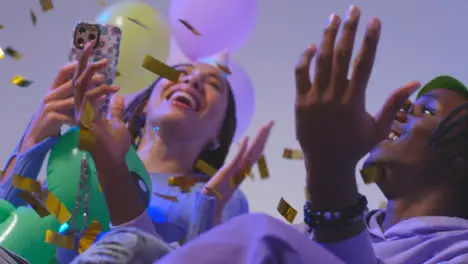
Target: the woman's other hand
pixel 226 181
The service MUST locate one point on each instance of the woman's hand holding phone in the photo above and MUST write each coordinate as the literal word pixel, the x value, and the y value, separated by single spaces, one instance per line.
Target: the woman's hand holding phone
pixel 56 108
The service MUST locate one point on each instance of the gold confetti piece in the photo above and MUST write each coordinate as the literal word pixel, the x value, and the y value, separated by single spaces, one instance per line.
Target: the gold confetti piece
pixel 67 241
pixel 214 192
pixel 167 197
pixel 86 139
pixel 138 23
pixel 160 68
pixel 117 74
pixel 101 3
pixel 185 183
pixel 89 237
pixel 99 188
pixel 286 210
pixel 205 168
pixel 372 173
pixel 20 81
pixel 294 154
pixel 263 168
pixel 55 207
pixel 46 5
pixel 26 184
pixel 1 27
pixel 13 53
pixel 35 204
pixel 224 69
pixel 383 205
pixel 2 54
pixel 33 17
pixel 190 27
pixel 306 192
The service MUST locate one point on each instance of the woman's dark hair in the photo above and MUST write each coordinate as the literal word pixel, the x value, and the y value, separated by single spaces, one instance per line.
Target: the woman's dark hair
pixel 135 118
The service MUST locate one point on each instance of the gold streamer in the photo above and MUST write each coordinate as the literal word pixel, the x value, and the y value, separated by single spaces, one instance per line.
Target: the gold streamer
pixel 214 192
pixel 224 69
pixel 138 23
pixel 383 205
pixel 33 17
pixel 55 207
pixel 372 173
pixel 13 53
pixel 294 154
pixel 190 27
pixel 160 68
pixel 46 5
pixel 20 81
pixel 26 184
pixel 263 168
pixel 35 204
pixel 286 210
pixel 167 197
pixel 89 237
pixel 67 241
pixel 87 116
pixel 205 168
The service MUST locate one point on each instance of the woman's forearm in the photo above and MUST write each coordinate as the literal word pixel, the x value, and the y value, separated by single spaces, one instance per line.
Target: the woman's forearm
pixel 120 192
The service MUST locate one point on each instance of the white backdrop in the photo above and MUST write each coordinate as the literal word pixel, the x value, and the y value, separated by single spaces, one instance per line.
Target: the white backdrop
pixel 420 39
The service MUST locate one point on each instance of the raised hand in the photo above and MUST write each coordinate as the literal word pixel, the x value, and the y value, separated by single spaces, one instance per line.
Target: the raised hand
pixel 332 124
pixel 226 181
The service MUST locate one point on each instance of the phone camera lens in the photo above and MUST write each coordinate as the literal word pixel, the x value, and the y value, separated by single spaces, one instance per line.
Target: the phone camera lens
pixel 92 37
pixel 81 30
pixel 80 41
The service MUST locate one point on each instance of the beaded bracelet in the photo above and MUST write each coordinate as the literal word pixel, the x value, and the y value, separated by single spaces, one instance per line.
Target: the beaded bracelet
pixel 346 216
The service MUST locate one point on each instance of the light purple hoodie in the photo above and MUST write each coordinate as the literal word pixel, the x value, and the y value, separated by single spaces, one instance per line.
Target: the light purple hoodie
pixel 261 239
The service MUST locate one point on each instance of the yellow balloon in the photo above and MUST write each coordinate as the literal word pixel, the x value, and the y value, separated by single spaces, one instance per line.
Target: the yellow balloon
pixel 144 32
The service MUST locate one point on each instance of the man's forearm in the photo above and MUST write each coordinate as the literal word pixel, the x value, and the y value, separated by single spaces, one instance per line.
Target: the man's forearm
pixel 334 190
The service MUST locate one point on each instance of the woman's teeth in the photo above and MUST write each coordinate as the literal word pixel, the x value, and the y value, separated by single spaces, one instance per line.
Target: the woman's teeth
pixel 393 136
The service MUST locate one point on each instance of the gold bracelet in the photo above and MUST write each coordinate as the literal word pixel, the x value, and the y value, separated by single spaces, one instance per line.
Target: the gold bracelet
pixel 214 192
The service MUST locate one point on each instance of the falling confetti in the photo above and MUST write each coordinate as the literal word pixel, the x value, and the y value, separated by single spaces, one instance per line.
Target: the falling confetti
pixel 160 68
pixel 383 205
pixel 263 168
pixel 205 168
pixel 13 53
pixel 138 23
pixel 190 27
pixel 57 208
pixel 184 183
pixel 62 241
pixel 372 173
pixel 26 184
pixel 89 236
pixel 117 74
pixel 286 210
pixel 167 197
pixel 1 27
pixel 101 3
pixel 20 81
pixel 294 154
pixel 224 69
pixel 35 204
pixel 2 54
pixel 46 5
pixel 33 17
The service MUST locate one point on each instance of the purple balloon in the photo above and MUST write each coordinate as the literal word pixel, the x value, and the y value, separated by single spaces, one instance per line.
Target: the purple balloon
pixel 223 24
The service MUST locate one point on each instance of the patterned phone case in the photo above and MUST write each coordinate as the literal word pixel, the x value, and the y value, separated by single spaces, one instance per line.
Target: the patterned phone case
pixel 107 47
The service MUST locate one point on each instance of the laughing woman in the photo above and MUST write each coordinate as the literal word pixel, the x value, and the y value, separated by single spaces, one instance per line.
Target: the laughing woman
pixel 173 125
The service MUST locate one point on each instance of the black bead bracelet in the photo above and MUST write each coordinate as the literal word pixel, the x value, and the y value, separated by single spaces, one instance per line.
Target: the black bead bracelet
pixel 346 216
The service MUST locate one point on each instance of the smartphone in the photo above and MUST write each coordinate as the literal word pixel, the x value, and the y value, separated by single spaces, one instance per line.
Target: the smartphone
pixel 106 40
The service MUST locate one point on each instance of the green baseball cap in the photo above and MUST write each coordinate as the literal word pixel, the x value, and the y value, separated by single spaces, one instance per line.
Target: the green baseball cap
pixel 445 82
